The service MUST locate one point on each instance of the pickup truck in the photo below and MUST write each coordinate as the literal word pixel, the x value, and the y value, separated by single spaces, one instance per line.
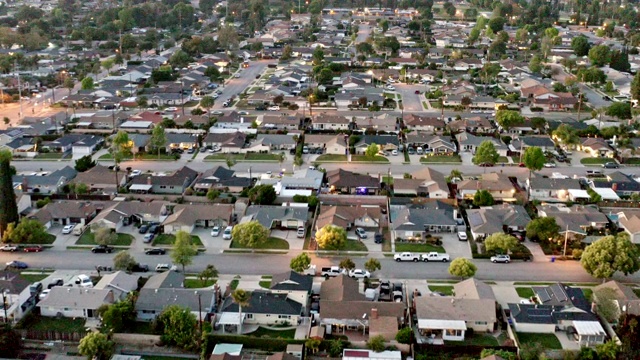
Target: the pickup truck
pixel 385 291
pixel 332 271
pixel 406 256
pixel 434 256
pixel 311 270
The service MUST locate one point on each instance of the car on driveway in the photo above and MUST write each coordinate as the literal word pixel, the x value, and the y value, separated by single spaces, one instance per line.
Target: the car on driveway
pixel 300 232
pixel 377 238
pixel 9 248
pixel 359 274
pixel 33 248
pixel 68 229
pixel 102 249
pixel 15 264
pixel 226 235
pixel 462 236
pixel 215 231
pixel 148 237
pixel 143 229
pixel 361 233
pixel 156 251
pixel 501 259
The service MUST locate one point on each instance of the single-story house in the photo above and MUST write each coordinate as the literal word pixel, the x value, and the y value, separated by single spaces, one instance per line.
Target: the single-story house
pixel 175 183
pixel 488 220
pixel 551 189
pixel 414 222
pixel 277 217
pixel 188 217
pixel 349 216
pixel 264 308
pixel 348 182
pixel 75 302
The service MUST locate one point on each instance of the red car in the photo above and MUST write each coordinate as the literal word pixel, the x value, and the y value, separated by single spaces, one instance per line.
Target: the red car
pixel 36 248
pixel 417 92
pixel 521 165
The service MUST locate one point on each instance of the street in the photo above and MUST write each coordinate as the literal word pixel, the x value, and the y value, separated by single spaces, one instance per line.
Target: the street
pixel 234 86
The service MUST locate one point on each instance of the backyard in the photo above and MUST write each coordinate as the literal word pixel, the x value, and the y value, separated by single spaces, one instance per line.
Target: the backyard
pixel 41 323
pixel 268 333
pixel 548 341
pixel 525 292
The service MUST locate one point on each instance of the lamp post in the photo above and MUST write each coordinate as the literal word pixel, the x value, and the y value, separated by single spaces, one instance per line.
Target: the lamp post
pixel 199 310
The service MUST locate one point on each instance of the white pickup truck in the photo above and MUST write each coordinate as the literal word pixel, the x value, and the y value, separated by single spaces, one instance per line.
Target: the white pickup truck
pixel 406 256
pixel 434 256
pixel 311 270
pixel 332 271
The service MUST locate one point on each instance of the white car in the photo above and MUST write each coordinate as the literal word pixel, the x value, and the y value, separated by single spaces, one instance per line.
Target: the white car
pixel 361 233
pixel 359 274
pixel 237 75
pixel 462 236
pixel 550 165
pixel 68 229
pixel 501 259
pixel 274 108
pixel 215 231
pixel 44 293
pixel 171 109
pixel 136 172
pixel 394 152
pixel 226 235
pixel 389 87
pixel 243 113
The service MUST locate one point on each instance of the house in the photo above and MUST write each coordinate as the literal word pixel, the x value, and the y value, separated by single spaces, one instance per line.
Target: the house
pixel 9 135
pixel 220 178
pixel 228 142
pixel 499 185
pixel 596 147
pixel 51 183
pixel 188 217
pixel 68 212
pixel 277 217
pixel 415 222
pixel 79 145
pixel 473 288
pixel 437 144
pixel 551 189
pixel 475 125
pixel 264 308
pixel 175 183
pixel 330 122
pixel 344 308
pixel 120 283
pixel 523 142
pixel 622 184
pixel 280 122
pixel 277 141
pixel 489 220
pixel 18 297
pixel 469 143
pixel 332 144
pixel 576 219
pixel 348 182
pixel 623 296
pixel 423 123
pixel 21 147
pixel 99 179
pixel 233 120
pixel 629 221
pixel 180 141
pixel 349 217
pixel 384 142
pixel 75 302
pixel 555 101
pixel 123 213
pixel 384 122
pixel 363 354
pixel 295 286
pixel 303 182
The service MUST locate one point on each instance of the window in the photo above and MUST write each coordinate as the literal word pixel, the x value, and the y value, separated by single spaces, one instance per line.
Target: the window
pixel 284 316
pixel 481 323
pixel 452 332
pixel 249 316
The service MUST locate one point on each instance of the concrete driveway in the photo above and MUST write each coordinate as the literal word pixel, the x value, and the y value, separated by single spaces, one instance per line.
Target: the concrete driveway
pixel 62 240
pixel 454 247
pixel 505 294
pixel 295 243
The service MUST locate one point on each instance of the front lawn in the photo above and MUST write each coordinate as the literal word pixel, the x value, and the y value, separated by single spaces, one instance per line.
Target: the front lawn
pixel 445 289
pixel 418 248
pixel 265 284
pixel 364 158
pixel 262 157
pixel 87 239
pixel 164 157
pixel 547 341
pixel 51 156
pixel 588 293
pixel 197 283
pixel 502 160
pixel 355 245
pixel 224 157
pixel 524 292
pixel 331 157
pixel 34 277
pixel 268 333
pixel 632 161
pixel 441 159
pixel 41 323
pixel 169 239
pixel 271 243
pixel 49 239
pixel 595 161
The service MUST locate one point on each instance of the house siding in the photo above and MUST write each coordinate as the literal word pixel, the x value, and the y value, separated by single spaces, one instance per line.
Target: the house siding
pixel 536 328
pixel 70 313
pixel 269 319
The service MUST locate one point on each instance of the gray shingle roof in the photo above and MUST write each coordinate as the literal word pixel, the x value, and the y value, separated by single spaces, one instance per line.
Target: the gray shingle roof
pixel 265 215
pixel 262 302
pixel 158 299
pixel 291 280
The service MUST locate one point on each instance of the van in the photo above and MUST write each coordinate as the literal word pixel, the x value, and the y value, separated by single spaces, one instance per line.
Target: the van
pixel 594 173
pixel 35 288
pixel 419 150
pixel 78 230
pixel 305 150
pixel 166 267
pixel 84 281
pixel 226 234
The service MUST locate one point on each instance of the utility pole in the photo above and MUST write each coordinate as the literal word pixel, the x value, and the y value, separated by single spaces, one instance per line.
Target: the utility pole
pixel 566 237
pixel 15 63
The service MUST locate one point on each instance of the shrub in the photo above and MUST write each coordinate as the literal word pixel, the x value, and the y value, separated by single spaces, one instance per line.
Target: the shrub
pixel 576 253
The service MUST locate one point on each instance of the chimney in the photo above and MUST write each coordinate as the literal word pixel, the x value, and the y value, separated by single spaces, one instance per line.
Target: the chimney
pixel 374 313
pixel 148 180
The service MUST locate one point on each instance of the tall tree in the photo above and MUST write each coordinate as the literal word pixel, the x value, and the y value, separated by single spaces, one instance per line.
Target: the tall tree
pixel 500 242
pixel 486 154
pixel 600 55
pixel 542 228
pixel 120 149
pixel 240 297
pixel 207 274
pixel 331 237
pixel 8 205
pixel 463 268
pixel 372 265
pixel 179 327
pixel 611 254
pixel 635 87
pixel 87 83
pixel 508 118
pixel 96 346
pixel 183 250
pixel 580 45
pixel 124 261
pixel 300 263
pixel 533 159
pixel 250 234
pixel 372 151
pixel 207 102
pixel 158 139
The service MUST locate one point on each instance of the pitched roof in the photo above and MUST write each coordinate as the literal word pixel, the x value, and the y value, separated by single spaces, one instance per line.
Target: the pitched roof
pixel 491 219
pixel 341 288
pixel 291 281
pixel 190 214
pixel 158 299
pixel 448 308
pixel 623 292
pixel 345 215
pixel 98 175
pixel 178 178
pixel 167 279
pixel 263 302
pixel 13 281
pixel 344 178
pixel 77 298
pixel 236 139
pixel 473 288
pixel 266 214
pixel 418 218
pixel 70 209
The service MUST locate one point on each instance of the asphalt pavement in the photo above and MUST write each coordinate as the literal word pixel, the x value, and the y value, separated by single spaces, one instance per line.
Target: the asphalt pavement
pixel 235 86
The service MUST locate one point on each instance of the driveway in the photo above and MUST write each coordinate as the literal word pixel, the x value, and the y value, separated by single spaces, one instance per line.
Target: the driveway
pixel 369 242
pixel 62 240
pixel 505 294
pixel 454 247
pixel 295 243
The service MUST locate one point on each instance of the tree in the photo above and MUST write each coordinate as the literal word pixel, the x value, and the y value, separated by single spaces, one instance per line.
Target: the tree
pixel 313 344
pixel 315 7
pixel 542 228
pixel 331 237
pixel 207 274
pixel 500 243
pixel 27 231
pixel 8 205
pixel 287 53
pixel 404 335
pixel 183 250
pixel 87 83
pixel 376 343
pixel 325 76
pixel 483 198
pixel 608 351
pixel 539 123
pixel 535 64
pixel 158 139
pixel 250 234
pixel 504 354
pixel 142 102
pixel 119 316
pixel 605 299
pixel 318 55
pixel 96 346
pixel 463 268
pixel 508 118
pixel 611 254
pixel 84 163
pixel 347 264
pixel 372 265
pixel 496 24
pixel 474 35
pixel 533 159
pixel 69 83
pixel 179 327
pixel 124 261
pixel 240 297
pixel 207 102
pixel 372 151
pixel 104 235
pixel 455 174
pixel 262 194
pixel 120 149
pixel 213 194
pixel 230 161
pixel 300 263
pixel 580 45
pixel 81 189
pixel 566 134
pixel 600 55
pixel 621 110
pixel 336 346
pixel 10 342
pixel 635 86
pixel 486 154
pixel 531 351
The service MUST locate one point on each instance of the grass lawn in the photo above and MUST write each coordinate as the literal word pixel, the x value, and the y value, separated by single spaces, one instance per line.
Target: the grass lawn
pixel 110 157
pixel 502 160
pixel 268 333
pixel 196 283
pixel 388 179
pixel 223 157
pixel 445 289
pixel 271 243
pixel 141 327
pixel 524 292
pixel 234 284
pixel 441 159
pixel 87 239
pixel 588 293
pixel 355 245
pixel 49 240
pixel 364 158
pixel 595 161
pixel 34 277
pixel 632 161
pixel 419 248
pixel 265 284
pixel 49 156
pixel 548 341
pixel 331 157
pixel 154 157
pixel 476 339
pixel 42 323
pixel 169 239
pixel 262 157
pixel 435 104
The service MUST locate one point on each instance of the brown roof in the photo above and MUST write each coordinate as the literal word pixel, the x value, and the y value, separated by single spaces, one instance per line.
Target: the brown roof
pixel 355 309
pixel 448 308
pixel 189 214
pixel 415 120
pixel 473 289
pixel 341 288
pixel 69 209
pixel 622 291
pixel 98 175
pixel 343 178
pixel 535 90
pixel 345 215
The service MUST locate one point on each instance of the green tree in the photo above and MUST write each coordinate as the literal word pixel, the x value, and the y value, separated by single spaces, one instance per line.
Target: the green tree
pixel 27 231
pixel 542 228
pixel 372 265
pixel 500 243
pixel 179 59
pixel 240 297
pixel 455 174
pixel 336 346
pixel 10 343
pixel 87 83
pixel 287 53
pixel 580 45
pixel 567 135
pixel 331 237
pixel 318 56
pixel 96 346
pixel 404 335
pixel 119 316
pixel 230 161
pixel 69 83
pixel 611 254
pixel 347 264
pixel 300 263
pixel 463 268
pixel 621 110
pixel 207 274
pixel 504 354
pixel 325 76
pixel 635 86
pixel 179 327
pixel 600 55
pixel 183 250
pixel 376 343
pixel 8 205
pixel 142 102
pixel 158 139
pixel 315 7
pixel 535 64
pixel 372 151
pixel 496 24
pixel 104 235
pixel 250 234
pixel 81 189
pixel 213 194
pixel 533 159
pixel 508 118
pixel 120 149
pixel 608 351
pixel 123 261
pixel 313 345
pixel 207 102
pixel 483 198
pixel 84 163
pixel 262 194
pixel 486 154
pixel 605 299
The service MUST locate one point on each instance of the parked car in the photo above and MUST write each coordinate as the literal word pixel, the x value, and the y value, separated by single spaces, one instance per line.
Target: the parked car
pixel 102 249
pixel 462 236
pixel 218 113
pixel 44 294
pixel 166 267
pixel 394 152
pixel 226 235
pixel 550 165
pixel 501 259
pixel 15 264
pixel 143 229
pixel 68 229
pixel 274 108
pixel 417 92
pixel 136 173
pixel 611 165
pixel 156 251
pixel 139 268
pixel 148 237
pixel 55 282
pixel 154 228
pixel 360 233
pixel 9 248
pixel 300 232
pixel 377 238
pixel 33 248
pixel 215 231
pixel 389 87
pixel 359 274
pixel 84 281
pixel 171 109
pixel 261 108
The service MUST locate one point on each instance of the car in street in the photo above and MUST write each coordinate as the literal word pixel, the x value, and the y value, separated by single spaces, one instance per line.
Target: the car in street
pixel 166 267
pixel 102 249
pixel 33 248
pixel 226 235
pixel 359 274
pixel 143 229
pixel 9 248
pixel 392 88
pixel 462 236
pixel 136 173
pixel 148 237
pixel 274 108
pixel 68 229
pixel 218 113
pixel 215 231
pixel 501 259
pixel 360 233
pixel 610 165
pixel 243 112
pixel 155 251
pixel 417 92
pixel 261 108
pixel 549 165
pixel 15 264
pixel 171 109
pixel 137 267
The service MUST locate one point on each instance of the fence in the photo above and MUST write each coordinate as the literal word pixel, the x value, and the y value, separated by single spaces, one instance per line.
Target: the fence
pixel 458 350
pixel 50 335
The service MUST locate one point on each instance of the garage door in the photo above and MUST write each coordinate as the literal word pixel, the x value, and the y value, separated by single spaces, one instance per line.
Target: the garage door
pixel 292 224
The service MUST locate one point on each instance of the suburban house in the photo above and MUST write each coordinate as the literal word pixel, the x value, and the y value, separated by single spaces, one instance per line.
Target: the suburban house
pixel 384 142
pixel 475 125
pixel 499 185
pixel 330 122
pixel 264 308
pixel 425 182
pixel 348 182
pixel 277 217
pixel 295 286
pixel 488 220
pixel 44 183
pixel 120 283
pixel 551 189
pixel 175 183
pixel 414 222
pixel 629 221
pixel 596 147
pixel 383 122
pixel 233 120
pixel 625 299
pixel 423 123
pixel 303 182
pixel 523 142
pixel 469 143
pixel 75 302
pixel 79 145
pixel 437 144
pixel 332 144
pixel 621 184
pixel 229 142
pixel 123 213
pixel 99 179
pixel 220 178
pixel 19 299
pixel 181 141
pixel 188 217
pixel 67 212
pixel 280 122
pixel 276 141
pixel 576 219
pixel 349 216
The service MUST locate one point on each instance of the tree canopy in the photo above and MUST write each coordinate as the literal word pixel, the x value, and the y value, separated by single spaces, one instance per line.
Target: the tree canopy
pixel 96 346
pixel 483 198
pixel 183 249
pixel 263 194
pixel 300 262
pixel 179 327
pixel 250 234
pixel 486 153
pixel 508 118
pixel 542 228
pixel 611 254
pixel 500 243
pixel 8 205
pixel 462 267
pixel 534 158
pixel 331 237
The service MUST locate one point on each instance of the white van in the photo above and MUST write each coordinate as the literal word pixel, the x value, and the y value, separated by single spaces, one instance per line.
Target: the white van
pixel 78 230
pixel 419 150
pixel 226 234
pixel 84 281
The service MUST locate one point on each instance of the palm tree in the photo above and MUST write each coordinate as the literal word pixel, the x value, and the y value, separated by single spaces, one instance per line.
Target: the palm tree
pixel 240 297
pixel 455 174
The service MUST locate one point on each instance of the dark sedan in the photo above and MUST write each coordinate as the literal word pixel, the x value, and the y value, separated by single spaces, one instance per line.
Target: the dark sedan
pixel 15 264
pixel 156 251
pixel 102 249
